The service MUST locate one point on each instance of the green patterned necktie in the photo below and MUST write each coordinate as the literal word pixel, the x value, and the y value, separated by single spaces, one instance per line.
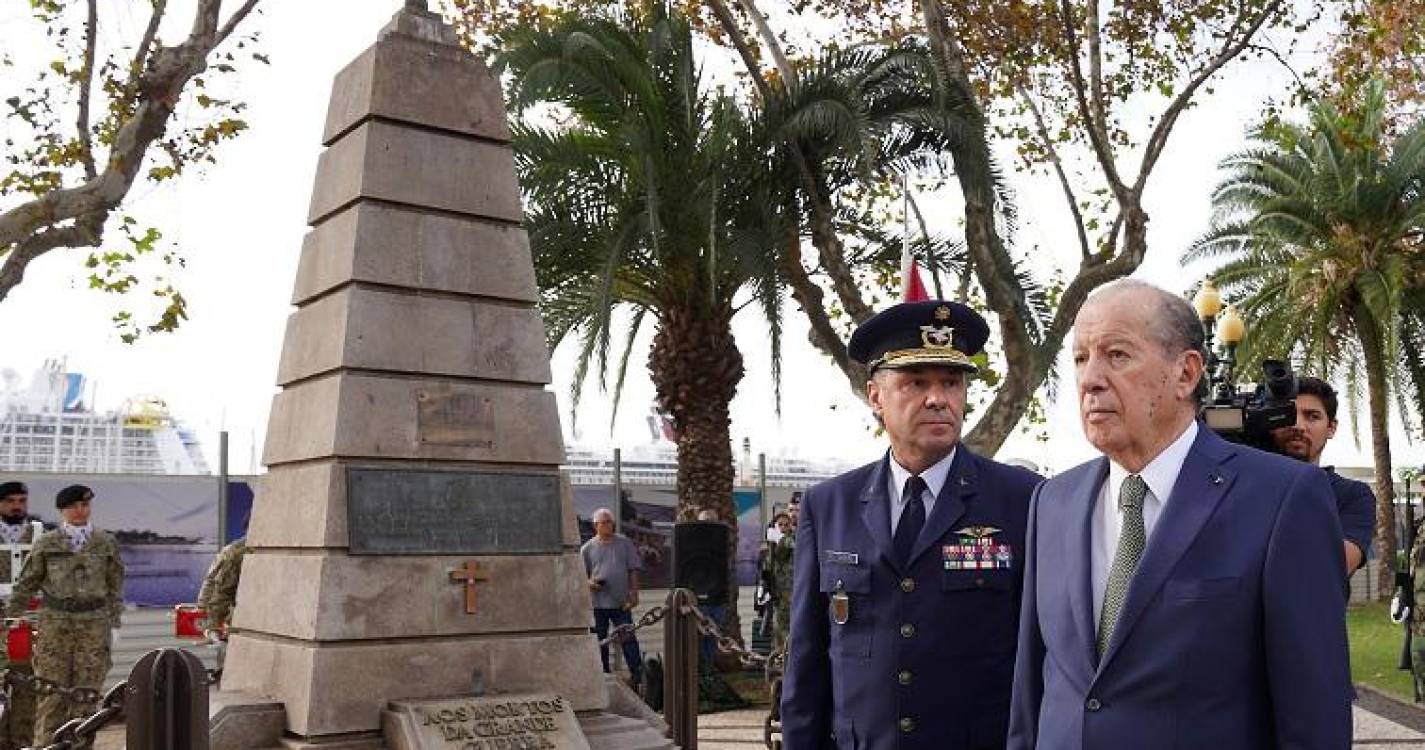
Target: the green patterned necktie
pixel 1131 541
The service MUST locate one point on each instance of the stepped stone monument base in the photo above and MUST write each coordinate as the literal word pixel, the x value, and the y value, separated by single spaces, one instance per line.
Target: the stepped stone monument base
pixel 413 540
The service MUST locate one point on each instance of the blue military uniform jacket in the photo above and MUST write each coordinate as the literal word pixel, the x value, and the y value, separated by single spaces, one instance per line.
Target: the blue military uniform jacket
pixel 924 656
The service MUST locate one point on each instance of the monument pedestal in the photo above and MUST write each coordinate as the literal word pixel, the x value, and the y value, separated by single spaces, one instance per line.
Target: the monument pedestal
pixel 412 539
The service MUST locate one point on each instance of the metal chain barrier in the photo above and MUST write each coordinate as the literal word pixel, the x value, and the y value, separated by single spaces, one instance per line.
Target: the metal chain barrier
pixel 623 632
pixel 726 644
pixel 79 734
pixel 42 686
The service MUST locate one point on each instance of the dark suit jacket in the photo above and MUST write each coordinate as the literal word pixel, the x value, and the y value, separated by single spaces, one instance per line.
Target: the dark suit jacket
pixel 925 658
pixel 1233 634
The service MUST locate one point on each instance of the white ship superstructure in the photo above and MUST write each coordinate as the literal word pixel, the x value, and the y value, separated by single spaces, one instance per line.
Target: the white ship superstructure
pixel 49 427
pixel 656 464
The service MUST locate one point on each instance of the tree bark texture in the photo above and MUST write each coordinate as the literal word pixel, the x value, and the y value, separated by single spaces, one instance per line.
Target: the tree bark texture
pixel 1378 393
pixel 696 367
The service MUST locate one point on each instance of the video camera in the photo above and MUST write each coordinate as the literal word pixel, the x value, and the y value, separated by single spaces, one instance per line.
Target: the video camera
pixel 1248 414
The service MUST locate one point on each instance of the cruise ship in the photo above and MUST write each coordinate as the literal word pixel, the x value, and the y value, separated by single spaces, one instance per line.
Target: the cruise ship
pixel 50 427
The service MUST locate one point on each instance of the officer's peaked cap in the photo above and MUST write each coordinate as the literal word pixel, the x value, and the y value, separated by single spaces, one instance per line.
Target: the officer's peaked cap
pixel 929 332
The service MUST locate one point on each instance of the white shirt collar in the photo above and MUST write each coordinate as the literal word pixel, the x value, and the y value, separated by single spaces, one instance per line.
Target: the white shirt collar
pixel 1161 474
pixel 71 529
pixel 934 476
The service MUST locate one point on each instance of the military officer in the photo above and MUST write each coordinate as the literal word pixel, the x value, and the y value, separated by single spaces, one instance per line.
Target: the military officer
pixel 17 526
pixel 905 604
pixel 77 569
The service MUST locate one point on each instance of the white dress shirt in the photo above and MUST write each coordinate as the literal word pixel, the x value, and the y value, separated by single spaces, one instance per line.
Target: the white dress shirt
pixel 1161 475
pixel 934 479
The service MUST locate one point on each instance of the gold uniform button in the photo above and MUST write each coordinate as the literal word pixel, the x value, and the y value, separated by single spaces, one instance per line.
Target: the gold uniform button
pixel 904 677
pixel 907 630
pixel 907 724
pixel 907 585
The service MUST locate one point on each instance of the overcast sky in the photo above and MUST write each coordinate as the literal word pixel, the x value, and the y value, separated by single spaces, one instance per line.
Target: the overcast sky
pixel 241 226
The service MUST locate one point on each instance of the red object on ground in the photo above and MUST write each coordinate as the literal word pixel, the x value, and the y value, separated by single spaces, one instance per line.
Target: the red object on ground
pixel 188 621
pixel 19 641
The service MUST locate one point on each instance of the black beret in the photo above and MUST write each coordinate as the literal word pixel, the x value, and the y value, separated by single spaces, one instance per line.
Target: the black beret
pixel 930 332
pixel 13 488
pixel 72 494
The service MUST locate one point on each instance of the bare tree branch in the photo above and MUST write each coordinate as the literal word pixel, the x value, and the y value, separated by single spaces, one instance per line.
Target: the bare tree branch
pixel 1096 92
pixel 1097 132
pixel 770 41
pixel 744 48
pixel 87 232
pixel 150 32
pixel 1069 197
pixel 1159 138
pixel 86 82
pixel 237 18
pixel 77 215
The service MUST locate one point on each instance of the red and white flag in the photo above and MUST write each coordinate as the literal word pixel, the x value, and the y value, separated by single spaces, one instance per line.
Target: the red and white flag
pixel 912 288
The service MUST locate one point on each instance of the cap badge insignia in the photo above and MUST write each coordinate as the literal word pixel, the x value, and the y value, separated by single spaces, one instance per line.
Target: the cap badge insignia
pixel 937 337
pixel 942 313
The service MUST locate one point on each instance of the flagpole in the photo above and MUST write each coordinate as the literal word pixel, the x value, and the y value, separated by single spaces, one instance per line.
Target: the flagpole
pixel 905 235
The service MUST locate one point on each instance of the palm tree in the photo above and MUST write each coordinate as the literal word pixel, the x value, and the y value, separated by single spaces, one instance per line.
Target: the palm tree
pixel 646 202
pixel 1318 234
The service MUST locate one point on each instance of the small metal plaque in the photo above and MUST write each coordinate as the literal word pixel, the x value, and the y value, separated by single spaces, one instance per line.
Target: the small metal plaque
pixel 459 419
pixel 405 512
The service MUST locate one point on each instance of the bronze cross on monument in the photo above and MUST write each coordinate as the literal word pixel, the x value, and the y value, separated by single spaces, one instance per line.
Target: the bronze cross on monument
pixel 469 575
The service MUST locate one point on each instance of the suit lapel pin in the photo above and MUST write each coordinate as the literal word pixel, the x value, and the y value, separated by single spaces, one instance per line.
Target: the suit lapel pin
pixel 964 482
pixel 1214 478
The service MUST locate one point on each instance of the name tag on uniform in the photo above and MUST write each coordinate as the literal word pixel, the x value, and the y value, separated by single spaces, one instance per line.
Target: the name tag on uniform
pixel 843 558
pixel 977 549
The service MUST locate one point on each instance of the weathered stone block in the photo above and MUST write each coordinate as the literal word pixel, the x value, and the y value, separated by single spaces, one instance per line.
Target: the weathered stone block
pixel 364 415
pixel 391 162
pixel 402 79
pixel 398 246
pixel 381 329
pixel 337 688
pixel 335 597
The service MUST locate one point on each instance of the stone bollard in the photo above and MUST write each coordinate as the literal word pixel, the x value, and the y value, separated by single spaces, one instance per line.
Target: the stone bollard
pixel 166 704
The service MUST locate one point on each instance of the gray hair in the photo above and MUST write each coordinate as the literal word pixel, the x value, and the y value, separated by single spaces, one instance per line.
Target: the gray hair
pixel 602 514
pixel 1176 327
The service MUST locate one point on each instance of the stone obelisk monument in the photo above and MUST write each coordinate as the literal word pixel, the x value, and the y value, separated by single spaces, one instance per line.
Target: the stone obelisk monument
pixel 412 538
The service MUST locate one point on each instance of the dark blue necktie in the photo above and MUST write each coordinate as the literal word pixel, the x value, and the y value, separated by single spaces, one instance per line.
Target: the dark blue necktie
pixel 912 519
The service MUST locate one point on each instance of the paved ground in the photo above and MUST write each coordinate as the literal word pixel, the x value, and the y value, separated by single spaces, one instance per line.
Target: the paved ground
pixel 1380 723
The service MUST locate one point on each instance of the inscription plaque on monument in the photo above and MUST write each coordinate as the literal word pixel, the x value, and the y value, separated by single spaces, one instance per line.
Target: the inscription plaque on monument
pixel 458 419
pixel 506 722
pixel 406 512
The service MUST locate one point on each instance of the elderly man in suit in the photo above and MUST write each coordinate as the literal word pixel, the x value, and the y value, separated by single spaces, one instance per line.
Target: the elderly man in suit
pixel 1181 591
pixel 907 571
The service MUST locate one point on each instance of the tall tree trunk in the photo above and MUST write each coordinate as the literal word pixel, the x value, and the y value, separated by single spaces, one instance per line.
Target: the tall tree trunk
pixel 696 366
pixel 1372 346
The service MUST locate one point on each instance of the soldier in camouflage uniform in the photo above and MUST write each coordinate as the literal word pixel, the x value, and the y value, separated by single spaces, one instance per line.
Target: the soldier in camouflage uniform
pixel 220 585
pixel 17 526
pixel 1417 617
pixel 77 569
pixel 782 554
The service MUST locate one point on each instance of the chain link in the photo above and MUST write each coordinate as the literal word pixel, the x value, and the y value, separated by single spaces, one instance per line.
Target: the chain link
pixel 623 632
pixel 725 644
pixel 79 734
pixel 41 686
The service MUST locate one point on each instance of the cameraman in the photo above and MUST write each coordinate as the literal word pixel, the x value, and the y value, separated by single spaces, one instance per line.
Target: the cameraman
pixel 1315 424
